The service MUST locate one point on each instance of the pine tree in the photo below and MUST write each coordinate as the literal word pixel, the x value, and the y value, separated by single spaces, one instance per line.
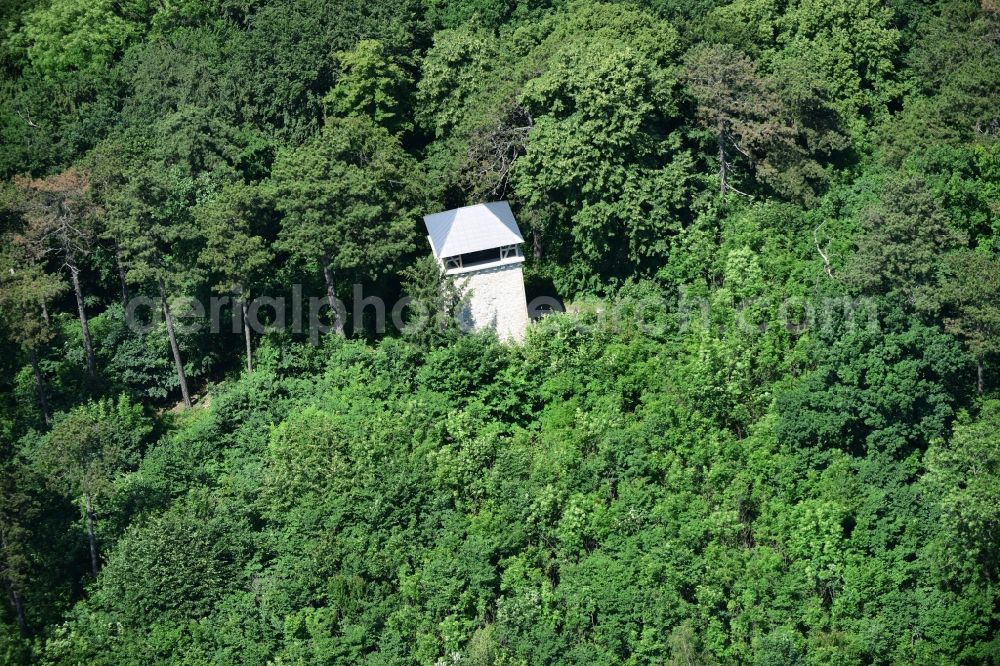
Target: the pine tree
pixel 737 106
pixel 233 250
pixel 60 220
pixel 148 213
pixel 349 200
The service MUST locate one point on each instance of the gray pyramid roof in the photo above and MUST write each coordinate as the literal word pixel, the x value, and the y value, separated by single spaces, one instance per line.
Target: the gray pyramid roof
pixel 472 228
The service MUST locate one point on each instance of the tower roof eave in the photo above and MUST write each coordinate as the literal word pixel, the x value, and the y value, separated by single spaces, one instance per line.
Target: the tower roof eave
pixel 472 229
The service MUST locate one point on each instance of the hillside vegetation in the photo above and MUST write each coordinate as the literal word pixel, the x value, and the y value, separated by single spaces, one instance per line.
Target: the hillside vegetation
pixel 767 431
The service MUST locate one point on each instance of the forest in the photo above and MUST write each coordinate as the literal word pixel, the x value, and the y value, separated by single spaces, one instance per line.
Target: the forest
pixel 766 429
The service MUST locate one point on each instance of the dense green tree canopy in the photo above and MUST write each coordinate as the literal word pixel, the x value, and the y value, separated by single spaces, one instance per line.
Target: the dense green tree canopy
pixel 763 432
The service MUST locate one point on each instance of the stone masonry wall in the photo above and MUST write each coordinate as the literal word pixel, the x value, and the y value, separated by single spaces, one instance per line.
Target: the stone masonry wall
pixel 497 301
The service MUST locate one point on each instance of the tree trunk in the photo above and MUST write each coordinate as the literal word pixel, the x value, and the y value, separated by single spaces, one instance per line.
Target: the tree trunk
pixel 88 345
pixel 331 295
pixel 22 623
pixel 178 364
pixel 15 595
pixel 723 170
pixel 536 243
pixel 980 383
pixel 91 536
pixel 246 336
pixel 121 275
pixel 40 385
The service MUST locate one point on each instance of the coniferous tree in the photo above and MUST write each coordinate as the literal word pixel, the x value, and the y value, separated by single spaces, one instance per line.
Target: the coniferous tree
pixel 736 105
pixel 60 219
pixel 234 250
pixel 969 293
pixel 348 200
pixel 904 236
pixel 149 214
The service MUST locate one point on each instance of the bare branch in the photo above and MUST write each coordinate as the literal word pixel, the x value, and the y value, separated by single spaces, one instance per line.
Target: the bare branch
pixel 493 151
pixel 28 121
pixel 826 258
pixel 729 186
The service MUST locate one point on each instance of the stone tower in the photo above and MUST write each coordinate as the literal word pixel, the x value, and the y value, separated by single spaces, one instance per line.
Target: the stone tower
pixel 481 246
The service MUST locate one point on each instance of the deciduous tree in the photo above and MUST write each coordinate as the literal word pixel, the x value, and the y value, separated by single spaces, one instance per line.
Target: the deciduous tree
pixel 25 291
pixel 17 511
pixel 86 451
